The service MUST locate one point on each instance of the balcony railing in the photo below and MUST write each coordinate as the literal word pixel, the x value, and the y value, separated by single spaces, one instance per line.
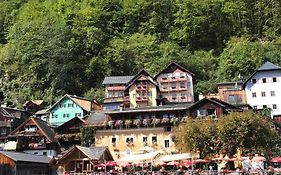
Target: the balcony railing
pixel 142 99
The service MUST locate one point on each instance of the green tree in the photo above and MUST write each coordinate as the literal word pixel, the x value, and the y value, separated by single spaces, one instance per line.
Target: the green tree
pixel 87 136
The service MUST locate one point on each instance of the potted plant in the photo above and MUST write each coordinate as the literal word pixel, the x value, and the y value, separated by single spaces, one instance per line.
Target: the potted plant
pixel 174 121
pixel 146 122
pixel 110 124
pixel 165 120
pixel 155 121
pixel 137 122
pixel 105 124
pixel 128 123
pixel 119 123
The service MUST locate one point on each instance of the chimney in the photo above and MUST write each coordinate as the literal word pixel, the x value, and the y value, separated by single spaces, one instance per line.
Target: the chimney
pixel 200 96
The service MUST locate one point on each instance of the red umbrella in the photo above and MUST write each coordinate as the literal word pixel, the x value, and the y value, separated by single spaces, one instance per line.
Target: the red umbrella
pixel 161 163
pixel 187 163
pixel 173 163
pixel 100 165
pixel 276 160
pixel 258 158
pixel 200 161
pixel 111 163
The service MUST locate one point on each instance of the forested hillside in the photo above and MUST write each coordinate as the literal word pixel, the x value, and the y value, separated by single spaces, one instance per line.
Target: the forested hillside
pixel 52 47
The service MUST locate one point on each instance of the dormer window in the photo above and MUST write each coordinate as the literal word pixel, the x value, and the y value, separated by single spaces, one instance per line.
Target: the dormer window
pixel 254 81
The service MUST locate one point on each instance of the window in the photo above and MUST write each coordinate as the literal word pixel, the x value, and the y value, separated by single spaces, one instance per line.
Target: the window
pixel 149 93
pixel 264 80
pixel 182 95
pixel 255 107
pixel 3 131
pixel 144 140
pixel 263 94
pixel 174 96
pixel 274 106
pixel 65 115
pixel 254 94
pixel 174 85
pixel 77 114
pixel 168 129
pixel 201 112
pixel 113 141
pixel 211 112
pixel 164 76
pixel 44 153
pixel 129 140
pixel 264 106
pixel 166 143
pixel 188 84
pixel 60 105
pixel 234 99
pixel 274 79
pixel 182 75
pixel 272 93
pixel 64 105
pixel 254 81
pixel 182 84
pixel 154 139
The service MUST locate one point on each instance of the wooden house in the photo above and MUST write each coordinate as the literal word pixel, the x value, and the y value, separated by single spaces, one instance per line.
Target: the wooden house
pixel 36 137
pixel 16 163
pixel 33 106
pixel 82 160
pixel 68 134
pixel 211 107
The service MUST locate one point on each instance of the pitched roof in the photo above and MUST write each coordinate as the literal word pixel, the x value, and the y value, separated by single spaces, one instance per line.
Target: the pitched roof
pixel 43 127
pixel 139 75
pixel 267 66
pixel 216 101
pixel 94 153
pixel 4 113
pixel 117 80
pixel 174 65
pixel 96 118
pixel 85 104
pixel 70 122
pixel 24 157
pixel 37 102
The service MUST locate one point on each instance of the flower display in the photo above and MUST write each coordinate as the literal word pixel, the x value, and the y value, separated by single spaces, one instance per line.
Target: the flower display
pixel 165 120
pixel 110 123
pixel 128 122
pixel 156 121
pixel 174 120
pixel 119 123
pixel 146 122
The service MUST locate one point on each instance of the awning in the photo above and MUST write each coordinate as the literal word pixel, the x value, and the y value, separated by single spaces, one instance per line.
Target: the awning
pixel 139 157
pixel 11 145
pixel 175 157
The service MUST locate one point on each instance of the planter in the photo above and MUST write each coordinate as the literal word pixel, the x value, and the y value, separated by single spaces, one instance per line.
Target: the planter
pixel 110 124
pixel 128 123
pixel 137 122
pixel 155 121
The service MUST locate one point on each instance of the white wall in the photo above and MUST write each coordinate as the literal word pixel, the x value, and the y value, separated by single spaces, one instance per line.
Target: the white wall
pixel 267 87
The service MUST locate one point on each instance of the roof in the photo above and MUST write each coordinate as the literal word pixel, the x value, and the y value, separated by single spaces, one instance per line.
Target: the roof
pixel 94 153
pixel 42 111
pixel 139 75
pixel 85 104
pixel 42 125
pixel 173 65
pixel 24 157
pixel 216 101
pixel 4 113
pixel 69 122
pixel 267 66
pixel 37 102
pixel 117 80
pixel 96 118
pixel 175 107
pixel 230 83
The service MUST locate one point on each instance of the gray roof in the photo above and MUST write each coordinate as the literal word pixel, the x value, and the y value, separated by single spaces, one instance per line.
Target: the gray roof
pixel 230 83
pixel 96 118
pixel 117 80
pixel 174 107
pixel 24 157
pixel 94 153
pixel 268 66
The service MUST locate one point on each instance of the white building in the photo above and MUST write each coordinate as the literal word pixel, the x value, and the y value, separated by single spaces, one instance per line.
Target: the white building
pixel 263 88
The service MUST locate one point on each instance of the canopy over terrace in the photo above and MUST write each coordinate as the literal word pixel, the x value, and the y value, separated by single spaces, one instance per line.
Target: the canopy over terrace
pixel 138 157
pixel 175 157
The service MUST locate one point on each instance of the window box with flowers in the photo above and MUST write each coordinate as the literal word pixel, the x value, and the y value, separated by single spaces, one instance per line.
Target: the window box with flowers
pixel 128 123
pixel 174 121
pixel 137 122
pixel 146 122
pixel 119 123
pixel 110 124
pixel 105 124
pixel 155 121
pixel 165 120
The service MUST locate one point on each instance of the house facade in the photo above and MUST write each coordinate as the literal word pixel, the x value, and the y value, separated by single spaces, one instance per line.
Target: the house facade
pixel 176 84
pixel 70 106
pixel 115 91
pixel 263 90
pixel 35 136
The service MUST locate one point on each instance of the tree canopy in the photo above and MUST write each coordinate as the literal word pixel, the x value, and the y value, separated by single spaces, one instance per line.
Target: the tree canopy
pixel 52 47
pixel 244 131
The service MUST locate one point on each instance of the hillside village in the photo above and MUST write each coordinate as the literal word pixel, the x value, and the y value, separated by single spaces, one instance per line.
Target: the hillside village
pixel 138 114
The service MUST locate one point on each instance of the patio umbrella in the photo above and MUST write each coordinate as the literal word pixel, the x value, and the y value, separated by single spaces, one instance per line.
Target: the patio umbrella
pixel 187 163
pixel 100 165
pixel 111 163
pixel 276 160
pixel 258 158
pixel 200 161
pixel 173 163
